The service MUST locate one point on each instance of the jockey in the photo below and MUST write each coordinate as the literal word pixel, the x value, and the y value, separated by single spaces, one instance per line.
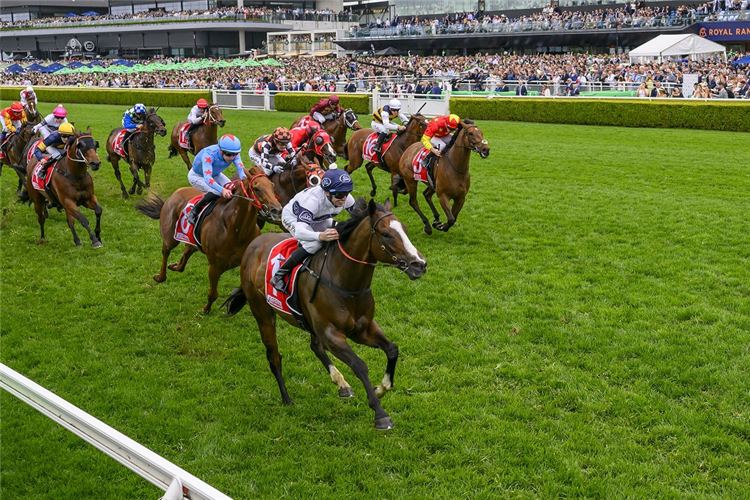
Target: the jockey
pixel 13 117
pixel 301 135
pixel 326 109
pixel 197 115
pixel 51 122
pixel 437 136
pixel 381 121
pixel 206 174
pixel 27 95
pixel 57 139
pixel 267 151
pixel 133 119
pixel 309 218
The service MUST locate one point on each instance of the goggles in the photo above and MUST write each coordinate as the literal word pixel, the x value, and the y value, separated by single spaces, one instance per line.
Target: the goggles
pixel 227 154
pixel 339 196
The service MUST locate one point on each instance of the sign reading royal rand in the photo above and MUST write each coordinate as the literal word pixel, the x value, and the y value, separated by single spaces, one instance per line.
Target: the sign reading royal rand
pixel 730 31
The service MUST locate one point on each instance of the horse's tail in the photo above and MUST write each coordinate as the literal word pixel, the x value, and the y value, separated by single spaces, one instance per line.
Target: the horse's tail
pixel 235 302
pixel 150 207
pixel 345 152
pixel 172 151
pixel 20 169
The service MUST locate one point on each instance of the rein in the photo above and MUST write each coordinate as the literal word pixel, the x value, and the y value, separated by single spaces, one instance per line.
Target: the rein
pixel 401 265
pixel 75 146
pixel 254 201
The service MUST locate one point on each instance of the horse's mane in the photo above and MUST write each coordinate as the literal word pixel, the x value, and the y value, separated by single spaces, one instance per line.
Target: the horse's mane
pixel 455 136
pixel 357 213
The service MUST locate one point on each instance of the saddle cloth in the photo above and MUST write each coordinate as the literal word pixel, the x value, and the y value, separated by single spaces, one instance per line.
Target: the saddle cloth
pixel 182 139
pixel 30 154
pixel 305 121
pixel 38 183
pixel 279 253
pixel 420 173
pixel 117 143
pixel 184 231
pixel 368 152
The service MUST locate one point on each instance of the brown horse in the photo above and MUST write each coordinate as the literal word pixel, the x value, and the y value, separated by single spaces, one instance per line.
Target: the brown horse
pixel 15 146
pixel 72 186
pixel 204 135
pixel 343 307
pixel 140 151
pixel 353 150
pixel 32 113
pixel 451 175
pixel 337 128
pixel 224 234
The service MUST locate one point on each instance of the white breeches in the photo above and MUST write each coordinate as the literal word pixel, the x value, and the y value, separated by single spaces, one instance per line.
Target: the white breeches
pixel 440 143
pixel 322 118
pixel 270 166
pixel 379 127
pixel 198 182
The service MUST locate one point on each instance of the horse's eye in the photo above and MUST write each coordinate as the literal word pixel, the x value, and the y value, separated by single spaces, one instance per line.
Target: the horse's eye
pixel 385 235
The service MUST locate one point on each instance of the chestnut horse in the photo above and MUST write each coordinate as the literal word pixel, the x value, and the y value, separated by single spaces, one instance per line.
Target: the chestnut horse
pixel 450 172
pixel 204 135
pixel 353 150
pixel 140 149
pixel 32 113
pixel 343 307
pixel 224 234
pixel 337 127
pixel 71 185
pixel 15 145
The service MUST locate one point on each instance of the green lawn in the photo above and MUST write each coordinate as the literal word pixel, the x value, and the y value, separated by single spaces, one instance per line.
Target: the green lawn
pixel 582 332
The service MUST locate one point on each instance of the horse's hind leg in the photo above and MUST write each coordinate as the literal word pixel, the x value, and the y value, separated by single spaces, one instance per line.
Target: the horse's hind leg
pixel 166 249
pixel 115 160
pixel 180 266
pixel 341 349
pixel 412 188
pixel 147 175
pixel 266 318
pixel 184 156
pixel 375 337
pixel 345 390
pixel 214 274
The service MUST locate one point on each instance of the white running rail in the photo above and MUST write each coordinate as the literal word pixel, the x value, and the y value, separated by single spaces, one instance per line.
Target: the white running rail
pixel 158 471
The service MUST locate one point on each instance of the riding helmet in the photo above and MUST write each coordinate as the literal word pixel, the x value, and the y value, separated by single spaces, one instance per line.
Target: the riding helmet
pixel 66 129
pixel 16 108
pixel 139 108
pixel 282 135
pixel 60 112
pixel 202 103
pixel 334 99
pixel 30 89
pixel 230 144
pixel 394 104
pixel 453 121
pixel 337 181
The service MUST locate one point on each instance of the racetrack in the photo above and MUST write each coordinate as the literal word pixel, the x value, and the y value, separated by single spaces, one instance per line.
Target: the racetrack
pixel 581 332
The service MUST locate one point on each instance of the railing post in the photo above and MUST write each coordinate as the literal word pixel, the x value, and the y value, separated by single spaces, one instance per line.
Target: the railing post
pixel 448 101
pixel 238 93
pixel 266 99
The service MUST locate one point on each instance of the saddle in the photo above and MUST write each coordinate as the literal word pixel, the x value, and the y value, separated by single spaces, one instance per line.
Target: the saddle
pixel 189 233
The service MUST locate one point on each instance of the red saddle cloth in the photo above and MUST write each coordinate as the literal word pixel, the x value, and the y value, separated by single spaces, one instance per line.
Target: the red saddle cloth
pixel 182 139
pixel 30 154
pixel 305 121
pixel 37 182
pixel 279 253
pixel 117 143
pixel 420 173
pixel 184 231
pixel 368 152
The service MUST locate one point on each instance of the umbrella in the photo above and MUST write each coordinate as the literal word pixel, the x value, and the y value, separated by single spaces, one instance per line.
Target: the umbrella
pixel 70 14
pixel 15 68
pixel 36 67
pixel 90 13
pixel 744 60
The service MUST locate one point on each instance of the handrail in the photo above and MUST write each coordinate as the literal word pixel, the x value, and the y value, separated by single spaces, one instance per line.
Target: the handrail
pixel 157 470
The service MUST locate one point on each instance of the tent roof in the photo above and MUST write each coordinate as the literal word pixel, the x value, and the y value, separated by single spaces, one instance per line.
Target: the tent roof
pixel 675 45
pixel 744 60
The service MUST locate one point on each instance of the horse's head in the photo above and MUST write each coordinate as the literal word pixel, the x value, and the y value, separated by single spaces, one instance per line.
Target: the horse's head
pixel 474 138
pixel 31 111
pixel 26 131
pixel 417 124
pixel 350 120
pixel 390 242
pixel 156 123
pixel 321 144
pixel 215 116
pixel 84 148
pixel 259 189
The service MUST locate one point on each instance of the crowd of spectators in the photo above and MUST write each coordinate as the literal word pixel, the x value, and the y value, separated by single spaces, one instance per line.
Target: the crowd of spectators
pixel 562 73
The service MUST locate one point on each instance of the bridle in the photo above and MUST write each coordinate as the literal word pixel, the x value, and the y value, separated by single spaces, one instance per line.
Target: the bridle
pixel 398 263
pixel 350 118
pixel 250 195
pixel 80 154
pixel 210 118
pixel 473 146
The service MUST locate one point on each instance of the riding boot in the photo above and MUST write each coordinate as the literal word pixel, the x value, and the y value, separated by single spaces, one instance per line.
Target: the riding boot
pixel 297 258
pixel 43 171
pixel 192 217
pixel 381 139
pixel 189 133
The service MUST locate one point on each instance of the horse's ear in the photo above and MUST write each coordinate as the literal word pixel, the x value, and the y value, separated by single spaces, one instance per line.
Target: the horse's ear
pixel 387 204
pixel 88 130
pixel 372 207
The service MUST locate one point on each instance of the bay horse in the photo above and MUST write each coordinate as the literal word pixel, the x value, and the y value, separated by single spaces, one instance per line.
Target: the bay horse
pixel 224 234
pixel 140 151
pixel 71 185
pixel 32 113
pixel 14 148
pixel 337 128
pixel 343 307
pixel 451 175
pixel 204 135
pixel 353 150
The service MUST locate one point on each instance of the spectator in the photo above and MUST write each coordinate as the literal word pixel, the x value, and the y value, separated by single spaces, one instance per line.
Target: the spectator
pixel 436 90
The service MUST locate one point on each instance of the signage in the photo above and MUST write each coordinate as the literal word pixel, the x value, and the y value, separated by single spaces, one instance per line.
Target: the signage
pixel 729 32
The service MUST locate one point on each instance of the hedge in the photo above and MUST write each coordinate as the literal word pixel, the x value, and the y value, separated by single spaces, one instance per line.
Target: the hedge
pixel 672 113
pixel 302 102
pixel 124 97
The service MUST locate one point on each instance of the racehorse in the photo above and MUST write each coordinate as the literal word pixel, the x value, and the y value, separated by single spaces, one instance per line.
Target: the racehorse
pixel 71 185
pixel 354 149
pixel 32 113
pixel 204 135
pixel 450 173
pixel 14 148
pixel 141 151
pixel 343 307
pixel 337 127
pixel 224 234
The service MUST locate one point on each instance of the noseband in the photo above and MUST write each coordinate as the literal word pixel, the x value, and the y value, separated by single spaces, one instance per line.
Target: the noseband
pixel 81 158
pixel 399 263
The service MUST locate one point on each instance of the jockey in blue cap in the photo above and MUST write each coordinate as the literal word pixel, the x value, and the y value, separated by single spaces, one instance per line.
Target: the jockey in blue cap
pixel 309 218
pixel 206 174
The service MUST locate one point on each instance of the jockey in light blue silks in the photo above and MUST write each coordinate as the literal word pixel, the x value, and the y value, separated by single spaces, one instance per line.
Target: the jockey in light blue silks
pixel 206 174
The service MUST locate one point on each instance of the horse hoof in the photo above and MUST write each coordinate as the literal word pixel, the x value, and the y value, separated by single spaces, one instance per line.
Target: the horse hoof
pixel 380 391
pixel 41 241
pixel 372 193
pixel 436 224
pixel 139 190
pixel 97 244
pixel 206 309
pixel 173 267
pixel 346 392
pixel 124 195
pixel 427 230
pixel 159 279
pixel 383 423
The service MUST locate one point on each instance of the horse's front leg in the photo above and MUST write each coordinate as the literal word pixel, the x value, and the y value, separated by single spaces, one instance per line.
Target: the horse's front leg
pixel 73 214
pixel 214 274
pixel 338 345
pixel 136 178
pixel 374 337
pixel 184 156
pixel 147 175
pixel 345 390
pixel 93 204
pixel 445 203
pixel 115 160
pixel 428 194
pixel 370 167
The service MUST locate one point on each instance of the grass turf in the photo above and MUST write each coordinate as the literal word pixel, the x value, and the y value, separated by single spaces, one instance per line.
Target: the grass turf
pixel 581 332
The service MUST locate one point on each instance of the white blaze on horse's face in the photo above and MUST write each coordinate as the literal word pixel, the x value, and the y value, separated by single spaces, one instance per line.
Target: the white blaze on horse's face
pixel 411 249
